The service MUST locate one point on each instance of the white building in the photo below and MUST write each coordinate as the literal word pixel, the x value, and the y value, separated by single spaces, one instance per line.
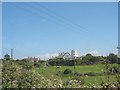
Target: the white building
pixel 67 55
pixel 74 54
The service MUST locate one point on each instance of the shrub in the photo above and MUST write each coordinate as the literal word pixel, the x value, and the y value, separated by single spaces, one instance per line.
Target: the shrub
pixel 37 65
pixel 113 70
pixel 67 71
pixel 78 74
pixel 92 74
pixel 75 82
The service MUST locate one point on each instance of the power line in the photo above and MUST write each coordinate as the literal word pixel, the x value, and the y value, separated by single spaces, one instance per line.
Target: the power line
pixel 66 21
pixel 63 18
pixel 57 19
pixel 11 54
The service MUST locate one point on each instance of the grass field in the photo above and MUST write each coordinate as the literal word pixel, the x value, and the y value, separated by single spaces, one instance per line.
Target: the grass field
pixel 52 72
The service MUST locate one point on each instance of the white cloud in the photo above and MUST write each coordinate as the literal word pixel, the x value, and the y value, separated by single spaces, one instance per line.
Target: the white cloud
pixel 48 56
pixel 94 53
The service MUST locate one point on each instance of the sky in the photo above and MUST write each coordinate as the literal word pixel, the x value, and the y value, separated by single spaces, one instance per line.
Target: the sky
pixel 44 29
pixel 0 30
pixel 60 0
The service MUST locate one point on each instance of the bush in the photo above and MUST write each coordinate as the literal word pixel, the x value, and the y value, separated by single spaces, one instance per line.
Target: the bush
pixel 67 71
pixel 92 74
pixel 27 66
pixel 78 74
pixel 114 70
pixel 75 82
pixel 37 65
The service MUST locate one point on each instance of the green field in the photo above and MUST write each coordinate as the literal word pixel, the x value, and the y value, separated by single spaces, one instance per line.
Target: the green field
pixel 52 72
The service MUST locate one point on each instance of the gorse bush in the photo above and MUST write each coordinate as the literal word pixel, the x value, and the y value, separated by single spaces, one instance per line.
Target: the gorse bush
pixel 15 76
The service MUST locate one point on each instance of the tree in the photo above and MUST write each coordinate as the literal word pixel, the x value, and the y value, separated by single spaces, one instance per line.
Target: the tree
pixel 88 55
pixel 89 59
pixel 112 58
pixel 6 57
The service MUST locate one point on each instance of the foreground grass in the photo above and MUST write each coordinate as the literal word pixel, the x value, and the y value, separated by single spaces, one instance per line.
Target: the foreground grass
pixel 97 80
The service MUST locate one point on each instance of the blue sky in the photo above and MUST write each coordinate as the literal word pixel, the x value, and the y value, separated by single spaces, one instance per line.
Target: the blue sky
pixel 38 29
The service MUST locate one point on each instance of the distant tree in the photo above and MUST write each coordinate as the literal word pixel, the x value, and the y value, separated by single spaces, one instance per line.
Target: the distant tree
pixel 89 59
pixel 88 55
pixel 6 57
pixel 102 58
pixel 112 58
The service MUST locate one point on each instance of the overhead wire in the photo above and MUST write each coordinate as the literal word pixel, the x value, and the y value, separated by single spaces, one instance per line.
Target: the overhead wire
pixel 57 19
pixel 74 26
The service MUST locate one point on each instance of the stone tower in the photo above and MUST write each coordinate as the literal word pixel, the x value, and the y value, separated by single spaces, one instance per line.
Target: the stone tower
pixel 74 54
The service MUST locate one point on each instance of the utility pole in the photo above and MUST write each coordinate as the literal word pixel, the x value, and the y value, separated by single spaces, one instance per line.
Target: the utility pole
pixel 11 54
pixel 74 66
pixel 11 63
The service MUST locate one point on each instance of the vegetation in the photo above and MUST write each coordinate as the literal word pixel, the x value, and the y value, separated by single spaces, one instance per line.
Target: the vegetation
pixel 85 60
pixel 102 73
pixel 67 71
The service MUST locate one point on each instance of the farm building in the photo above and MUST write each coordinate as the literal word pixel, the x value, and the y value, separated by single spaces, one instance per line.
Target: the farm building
pixel 67 55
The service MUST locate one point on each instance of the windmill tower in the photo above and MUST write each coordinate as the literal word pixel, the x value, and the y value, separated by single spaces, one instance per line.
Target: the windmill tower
pixel 11 54
pixel 74 54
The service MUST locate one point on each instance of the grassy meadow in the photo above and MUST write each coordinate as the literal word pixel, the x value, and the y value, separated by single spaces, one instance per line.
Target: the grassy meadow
pixel 52 72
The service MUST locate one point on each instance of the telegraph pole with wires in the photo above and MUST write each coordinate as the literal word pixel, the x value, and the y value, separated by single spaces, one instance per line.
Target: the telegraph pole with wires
pixel 11 60
pixel 11 54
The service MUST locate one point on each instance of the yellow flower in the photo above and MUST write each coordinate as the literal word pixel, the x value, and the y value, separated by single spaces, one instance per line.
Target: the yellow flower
pixel 102 70
pixel 51 75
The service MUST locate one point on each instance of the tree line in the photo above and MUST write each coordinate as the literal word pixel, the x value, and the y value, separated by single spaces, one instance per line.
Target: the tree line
pixel 88 59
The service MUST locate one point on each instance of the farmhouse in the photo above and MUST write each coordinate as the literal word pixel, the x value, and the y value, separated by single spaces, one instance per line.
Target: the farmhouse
pixel 67 55
pixel 64 55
